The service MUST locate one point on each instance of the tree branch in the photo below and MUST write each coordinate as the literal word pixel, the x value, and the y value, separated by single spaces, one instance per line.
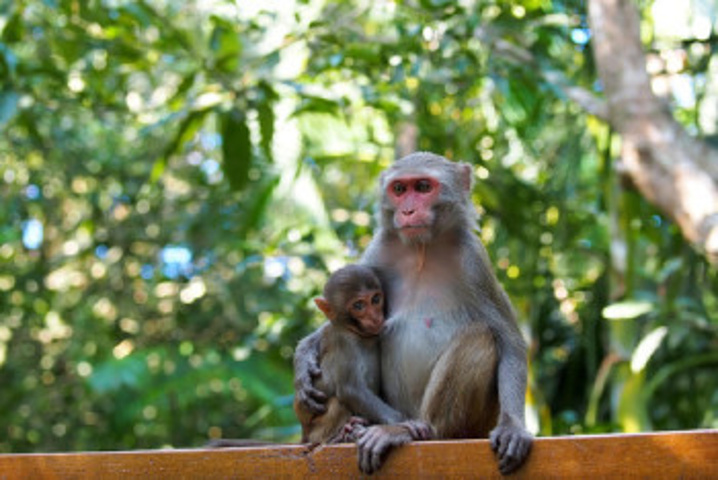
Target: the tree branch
pixel 674 171
pixel 515 54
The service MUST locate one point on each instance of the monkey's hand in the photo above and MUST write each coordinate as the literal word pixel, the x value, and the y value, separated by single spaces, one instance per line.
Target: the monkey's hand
pixel 306 371
pixel 512 444
pixel 353 429
pixel 376 442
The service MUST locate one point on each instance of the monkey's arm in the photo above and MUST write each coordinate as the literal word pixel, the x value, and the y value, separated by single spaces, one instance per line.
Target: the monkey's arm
pixel 365 403
pixel 510 439
pixel 306 370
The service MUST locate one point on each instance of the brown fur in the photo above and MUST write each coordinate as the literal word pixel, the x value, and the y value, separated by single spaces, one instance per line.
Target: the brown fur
pixel 474 351
pixel 452 354
pixel 349 359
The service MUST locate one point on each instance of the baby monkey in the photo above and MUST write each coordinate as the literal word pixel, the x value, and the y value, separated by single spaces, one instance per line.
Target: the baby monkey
pixel 353 302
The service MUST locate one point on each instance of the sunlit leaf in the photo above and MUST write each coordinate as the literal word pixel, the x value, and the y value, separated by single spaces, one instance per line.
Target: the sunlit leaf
pixel 646 348
pixel 226 45
pixel 626 310
pixel 317 105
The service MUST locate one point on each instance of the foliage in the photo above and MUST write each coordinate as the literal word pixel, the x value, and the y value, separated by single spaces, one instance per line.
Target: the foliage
pixel 179 177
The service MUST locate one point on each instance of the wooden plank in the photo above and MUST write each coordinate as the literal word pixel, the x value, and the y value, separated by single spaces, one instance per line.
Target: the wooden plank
pixel 690 454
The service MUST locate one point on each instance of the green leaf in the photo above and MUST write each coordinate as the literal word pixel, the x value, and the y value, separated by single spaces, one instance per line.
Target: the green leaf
pixel 226 45
pixel 265 111
pixel 646 348
pixel 626 310
pixel 187 130
pixel 258 204
pixel 236 148
pixel 8 106
pixel 179 96
pixel 8 62
pixel 314 104
pixel 363 51
pixel 14 29
pixel 115 374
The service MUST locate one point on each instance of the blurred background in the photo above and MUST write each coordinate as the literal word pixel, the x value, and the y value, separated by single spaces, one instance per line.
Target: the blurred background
pixel 178 178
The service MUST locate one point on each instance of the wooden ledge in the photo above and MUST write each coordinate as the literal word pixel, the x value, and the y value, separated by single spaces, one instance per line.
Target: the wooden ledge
pixel 689 454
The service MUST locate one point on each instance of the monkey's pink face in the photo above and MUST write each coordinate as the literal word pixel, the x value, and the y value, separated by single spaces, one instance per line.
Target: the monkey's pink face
pixel 413 198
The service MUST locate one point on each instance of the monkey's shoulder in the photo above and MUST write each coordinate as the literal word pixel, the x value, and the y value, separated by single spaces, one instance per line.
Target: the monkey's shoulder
pixel 346 355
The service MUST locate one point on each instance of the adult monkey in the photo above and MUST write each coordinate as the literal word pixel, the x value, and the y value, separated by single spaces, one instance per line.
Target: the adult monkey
pixel 452 352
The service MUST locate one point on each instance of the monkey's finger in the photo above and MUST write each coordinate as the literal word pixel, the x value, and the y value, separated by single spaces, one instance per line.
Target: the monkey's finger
pixel 314 401
pixel 495 441
pixel 377 456
pixel 498 443
pixel 508 465
pixel 365 451
pixel 418 430
pixel 314 370
pixel 377 452
pixel 317 395
pixel 363 461
pixel 517 451
pixel 519 445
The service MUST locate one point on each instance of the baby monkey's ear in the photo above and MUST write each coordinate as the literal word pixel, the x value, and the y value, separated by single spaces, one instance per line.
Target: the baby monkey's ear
pixel 325 307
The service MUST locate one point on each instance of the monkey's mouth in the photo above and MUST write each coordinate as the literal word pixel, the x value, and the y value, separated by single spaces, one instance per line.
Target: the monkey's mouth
pixel 413 229
pixel 370 333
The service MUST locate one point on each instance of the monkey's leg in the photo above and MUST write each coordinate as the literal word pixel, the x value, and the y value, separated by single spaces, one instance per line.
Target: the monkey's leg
pixel 460 400
pixel 461 397
pixel 328 427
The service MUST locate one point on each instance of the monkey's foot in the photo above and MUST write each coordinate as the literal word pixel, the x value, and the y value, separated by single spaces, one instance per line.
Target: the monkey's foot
pixel 419 430
pixel 353 429
pixel 512 445
pixel 378 440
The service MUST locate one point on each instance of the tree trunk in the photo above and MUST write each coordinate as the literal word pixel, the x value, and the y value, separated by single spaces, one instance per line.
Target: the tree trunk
pixel 674 171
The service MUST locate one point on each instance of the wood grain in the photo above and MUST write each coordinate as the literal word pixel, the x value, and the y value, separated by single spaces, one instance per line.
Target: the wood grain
pixel 690 454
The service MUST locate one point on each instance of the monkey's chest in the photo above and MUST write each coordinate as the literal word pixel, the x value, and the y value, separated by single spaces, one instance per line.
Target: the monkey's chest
pixel 410 348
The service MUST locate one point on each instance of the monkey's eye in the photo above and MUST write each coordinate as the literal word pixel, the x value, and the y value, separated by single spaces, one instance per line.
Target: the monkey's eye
pixel 358 305
pixel 398 188
pixel 376 299
pixel 423 186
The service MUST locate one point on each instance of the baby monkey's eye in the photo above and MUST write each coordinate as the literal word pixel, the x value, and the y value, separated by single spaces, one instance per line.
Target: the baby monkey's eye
pixel 376 299
pixel 358 305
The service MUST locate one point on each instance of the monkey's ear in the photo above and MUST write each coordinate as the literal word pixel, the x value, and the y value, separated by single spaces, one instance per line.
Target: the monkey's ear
pixel 325 307
pixel 467 176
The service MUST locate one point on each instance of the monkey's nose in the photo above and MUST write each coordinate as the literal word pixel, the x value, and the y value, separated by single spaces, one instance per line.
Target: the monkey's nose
pixel 408 213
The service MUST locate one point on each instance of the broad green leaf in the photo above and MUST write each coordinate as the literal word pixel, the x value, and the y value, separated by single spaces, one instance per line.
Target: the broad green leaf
pixel 315 104
pixel 226 45
pixel 236 148
pixel 626 310
pixel 646 348
pixel 14 28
